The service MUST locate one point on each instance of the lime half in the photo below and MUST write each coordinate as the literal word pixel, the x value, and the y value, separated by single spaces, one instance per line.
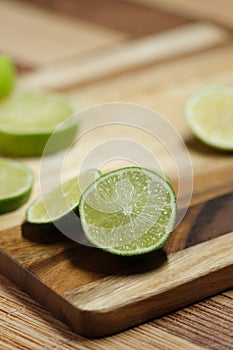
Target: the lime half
pixel 209 113
pixel 128 211
pixel 28 119
pixel 16 182
pixel 60 201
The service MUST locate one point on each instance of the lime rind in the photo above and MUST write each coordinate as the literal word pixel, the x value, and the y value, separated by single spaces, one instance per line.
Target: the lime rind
pixel 222 143
pixel 17 198
pixel 133 247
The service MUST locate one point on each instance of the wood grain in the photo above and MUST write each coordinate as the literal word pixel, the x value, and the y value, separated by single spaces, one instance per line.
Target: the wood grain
pixel 137 298
pixel 35 328
pixel 126 57
pixel 221 12
pixel 144 287
pixel 21 315
pixel 34 37
pixel 108 13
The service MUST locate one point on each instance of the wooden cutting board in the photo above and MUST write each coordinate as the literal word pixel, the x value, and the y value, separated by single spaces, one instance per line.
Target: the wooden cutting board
pixel 97 293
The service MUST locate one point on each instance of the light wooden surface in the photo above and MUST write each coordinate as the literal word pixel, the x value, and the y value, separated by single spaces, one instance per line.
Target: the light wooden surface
pixel 220 11
pixel 153 86
pixel 161 79
pixel 34 37
pixel 127 56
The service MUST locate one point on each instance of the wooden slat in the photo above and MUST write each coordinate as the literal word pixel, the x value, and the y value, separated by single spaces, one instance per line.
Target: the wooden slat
pixel 200 323
pixel 34 36
pixel 117 14
pixel 20 314
pixel 34 328
pixel 220 11
pixel 182 76
pixel 129 56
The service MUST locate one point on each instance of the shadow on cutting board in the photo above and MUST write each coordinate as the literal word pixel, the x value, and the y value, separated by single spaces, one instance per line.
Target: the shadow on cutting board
pixel 197 146
pixel 90 258
pixel 203 222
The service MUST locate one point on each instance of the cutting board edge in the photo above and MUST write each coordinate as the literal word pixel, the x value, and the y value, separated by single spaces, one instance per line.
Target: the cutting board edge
pixel 96 323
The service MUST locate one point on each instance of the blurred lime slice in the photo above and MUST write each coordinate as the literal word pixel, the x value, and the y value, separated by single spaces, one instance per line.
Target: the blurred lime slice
pixel 128 211
pixel 28 119
pixel 16 182
pixel 209 113
pixel 60 201
pixel 7 76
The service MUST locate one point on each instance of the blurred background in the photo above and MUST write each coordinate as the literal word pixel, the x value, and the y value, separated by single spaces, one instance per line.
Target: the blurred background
pixel 151 52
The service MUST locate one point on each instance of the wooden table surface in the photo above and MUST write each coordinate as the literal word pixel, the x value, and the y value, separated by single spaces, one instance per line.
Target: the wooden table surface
pixel 152 52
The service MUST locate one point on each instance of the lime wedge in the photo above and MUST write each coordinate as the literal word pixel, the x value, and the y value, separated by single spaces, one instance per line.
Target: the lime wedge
pixel 7 76
pixel 28 119
pixel 57 203
pixel 16 182
pixel 209 113
pixel 128 211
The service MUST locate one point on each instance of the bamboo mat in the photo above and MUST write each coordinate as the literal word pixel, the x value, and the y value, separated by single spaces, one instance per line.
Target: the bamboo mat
pixel 150 52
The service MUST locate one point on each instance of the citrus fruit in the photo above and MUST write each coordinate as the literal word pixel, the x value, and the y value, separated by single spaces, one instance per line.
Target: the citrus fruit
pixel 7 76
pixel 28 119
pixel 59 202
pixel 128 211
pixel 209 113
pixel 16 181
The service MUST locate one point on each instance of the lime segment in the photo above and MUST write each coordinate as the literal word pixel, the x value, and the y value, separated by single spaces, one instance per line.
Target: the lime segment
pixel 28 119
pixel 16 182
pixel 128 211
pixel 209 114
pixel 60 201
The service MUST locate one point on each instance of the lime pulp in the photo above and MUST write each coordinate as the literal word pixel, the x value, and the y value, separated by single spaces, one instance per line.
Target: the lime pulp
pixel 128 211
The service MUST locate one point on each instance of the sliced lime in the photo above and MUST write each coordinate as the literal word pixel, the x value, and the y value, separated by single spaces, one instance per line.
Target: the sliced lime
pixel 209 113
pixel 128 211
pixel 60 201
pixel 7 76
pixel 28 119
pixel 16 182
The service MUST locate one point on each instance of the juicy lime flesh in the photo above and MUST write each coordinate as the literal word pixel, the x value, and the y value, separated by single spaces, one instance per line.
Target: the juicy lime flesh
pixel 129 211
pixel 60 201
pixel 33 112
pixel 16 182
pixel 14 179
pixel 209 113
pixel 57 202
pixel 215 115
